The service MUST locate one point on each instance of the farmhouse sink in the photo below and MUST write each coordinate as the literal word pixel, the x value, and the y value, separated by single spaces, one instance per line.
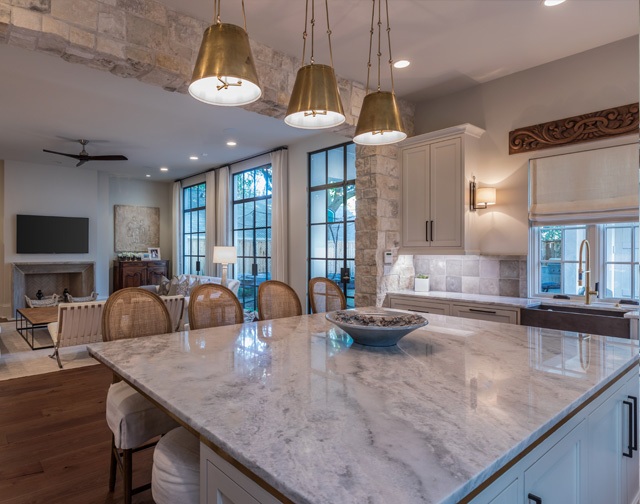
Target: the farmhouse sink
pixel 578 319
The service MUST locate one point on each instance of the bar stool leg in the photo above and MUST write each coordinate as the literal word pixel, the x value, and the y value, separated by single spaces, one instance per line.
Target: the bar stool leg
pixel 127 474
pixel 113 465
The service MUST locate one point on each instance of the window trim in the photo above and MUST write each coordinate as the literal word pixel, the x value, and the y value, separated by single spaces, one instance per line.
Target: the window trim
pixel 185 211
pixel 343 184
pixel 597 239
pixel 267 228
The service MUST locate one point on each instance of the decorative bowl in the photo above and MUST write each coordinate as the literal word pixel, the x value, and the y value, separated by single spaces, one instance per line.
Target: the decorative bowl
pixel 376 335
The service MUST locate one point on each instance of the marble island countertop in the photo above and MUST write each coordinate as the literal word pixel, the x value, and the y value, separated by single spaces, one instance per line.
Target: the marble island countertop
pixel 512 302
pixel 325 421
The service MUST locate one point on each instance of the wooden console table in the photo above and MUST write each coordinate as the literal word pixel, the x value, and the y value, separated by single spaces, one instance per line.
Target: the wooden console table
pixel 137 273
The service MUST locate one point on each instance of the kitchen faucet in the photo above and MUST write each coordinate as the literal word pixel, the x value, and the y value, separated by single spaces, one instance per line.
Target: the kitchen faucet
pixel 587 288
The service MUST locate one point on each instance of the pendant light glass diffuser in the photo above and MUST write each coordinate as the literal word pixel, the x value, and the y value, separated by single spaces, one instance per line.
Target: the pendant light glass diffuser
pixel 315 100
pixel 380 122
pixel 225 73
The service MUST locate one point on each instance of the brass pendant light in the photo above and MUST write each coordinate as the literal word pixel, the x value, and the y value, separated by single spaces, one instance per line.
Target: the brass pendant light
pixel 315 100
pixel 380 122
pixel 225 73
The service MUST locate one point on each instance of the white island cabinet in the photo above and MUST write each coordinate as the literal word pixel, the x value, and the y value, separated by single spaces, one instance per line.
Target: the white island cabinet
pixel 460 411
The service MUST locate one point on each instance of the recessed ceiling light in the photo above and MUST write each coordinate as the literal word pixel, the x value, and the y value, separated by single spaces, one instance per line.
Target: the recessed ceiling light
pixel 552 3
pixel 147 175
pixel 193 158
pixel 401 64
pixel 232 143
pixel 164 169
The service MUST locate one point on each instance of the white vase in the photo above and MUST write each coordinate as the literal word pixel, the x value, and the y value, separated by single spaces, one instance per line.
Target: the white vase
pixel 421 285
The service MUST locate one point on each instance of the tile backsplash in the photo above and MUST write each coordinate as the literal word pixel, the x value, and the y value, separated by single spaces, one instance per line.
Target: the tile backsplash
pixel 494 275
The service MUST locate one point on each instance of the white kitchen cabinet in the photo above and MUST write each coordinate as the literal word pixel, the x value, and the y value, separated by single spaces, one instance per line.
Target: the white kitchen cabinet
pixel 486 312
pixel 582 461
pixel 560 475
pixel 420 305
pixel 434 186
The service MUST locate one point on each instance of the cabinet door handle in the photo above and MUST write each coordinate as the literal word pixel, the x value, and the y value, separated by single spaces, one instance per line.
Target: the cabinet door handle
pixel 534 498
pixel 630 446
pixel 482 311
pixel 426 229
pixel 634 445
pixel 431 230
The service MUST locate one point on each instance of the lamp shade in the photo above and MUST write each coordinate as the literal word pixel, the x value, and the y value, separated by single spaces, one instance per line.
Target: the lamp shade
pixel 486 196
pixel 379 122
pixel 225 73
pixel 224 255
pixel 315 100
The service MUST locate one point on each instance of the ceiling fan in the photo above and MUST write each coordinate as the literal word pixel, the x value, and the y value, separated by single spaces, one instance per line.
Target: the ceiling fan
pixel 83 157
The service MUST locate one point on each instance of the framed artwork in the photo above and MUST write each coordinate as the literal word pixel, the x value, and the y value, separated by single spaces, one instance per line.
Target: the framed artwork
pixel 154 253
pixel 136 228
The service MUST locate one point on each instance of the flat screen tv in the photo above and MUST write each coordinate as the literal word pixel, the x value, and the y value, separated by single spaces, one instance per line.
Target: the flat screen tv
pixel 39 234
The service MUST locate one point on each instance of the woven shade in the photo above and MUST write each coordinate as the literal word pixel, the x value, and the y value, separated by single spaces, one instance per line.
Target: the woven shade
pixel 277 300
pixel 132 313
pixel 585 187
pixel 326 295
pixel 213 305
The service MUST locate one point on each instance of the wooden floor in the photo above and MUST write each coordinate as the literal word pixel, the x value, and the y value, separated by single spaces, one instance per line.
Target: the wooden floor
pixel 54 440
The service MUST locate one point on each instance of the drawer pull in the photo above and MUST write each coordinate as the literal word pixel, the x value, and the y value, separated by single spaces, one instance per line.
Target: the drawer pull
pixel 631 429
pixel 534 498
pixel 419 311
pixel 491 312
pixel 634 445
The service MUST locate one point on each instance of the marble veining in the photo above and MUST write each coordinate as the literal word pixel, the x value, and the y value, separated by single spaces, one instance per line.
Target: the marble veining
pixel 324 420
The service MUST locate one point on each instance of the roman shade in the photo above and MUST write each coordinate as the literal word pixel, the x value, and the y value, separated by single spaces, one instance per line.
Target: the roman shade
pixel 585 187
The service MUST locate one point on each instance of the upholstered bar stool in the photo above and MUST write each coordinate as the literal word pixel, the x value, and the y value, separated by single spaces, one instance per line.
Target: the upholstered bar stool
pixel 326 295
pixel 213 305
pixel 133 419
pixel 176 469
pixel 277 300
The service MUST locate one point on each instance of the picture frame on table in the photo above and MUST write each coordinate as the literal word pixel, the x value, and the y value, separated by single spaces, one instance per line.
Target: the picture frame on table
pixel 154 253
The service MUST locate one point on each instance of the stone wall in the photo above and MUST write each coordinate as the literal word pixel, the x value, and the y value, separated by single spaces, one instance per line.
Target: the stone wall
pixel 143 39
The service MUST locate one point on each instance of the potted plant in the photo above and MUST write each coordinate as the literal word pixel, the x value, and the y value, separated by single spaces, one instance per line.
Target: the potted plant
pixel 422 283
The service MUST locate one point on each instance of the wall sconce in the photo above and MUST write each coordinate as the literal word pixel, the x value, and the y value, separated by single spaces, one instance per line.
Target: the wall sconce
pixel 480 197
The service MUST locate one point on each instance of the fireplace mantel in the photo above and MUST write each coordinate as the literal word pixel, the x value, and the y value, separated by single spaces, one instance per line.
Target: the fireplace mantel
pixel 51 278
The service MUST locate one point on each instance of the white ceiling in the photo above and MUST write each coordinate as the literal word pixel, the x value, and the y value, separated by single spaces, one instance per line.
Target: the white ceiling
pixel 453 44
pixel 52 100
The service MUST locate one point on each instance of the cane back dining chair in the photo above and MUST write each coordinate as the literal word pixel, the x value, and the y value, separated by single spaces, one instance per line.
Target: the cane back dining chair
pixel 213 305
pixel 277 300
pixel 325 295
pixel 133 419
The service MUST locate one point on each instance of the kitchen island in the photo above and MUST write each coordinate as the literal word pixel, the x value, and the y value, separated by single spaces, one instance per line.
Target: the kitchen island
pixel 448 415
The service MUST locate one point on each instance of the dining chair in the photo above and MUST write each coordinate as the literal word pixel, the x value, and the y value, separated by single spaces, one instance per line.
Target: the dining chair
pixel 277 300
pixel 213 305
pixel 134 421
pixel 326 295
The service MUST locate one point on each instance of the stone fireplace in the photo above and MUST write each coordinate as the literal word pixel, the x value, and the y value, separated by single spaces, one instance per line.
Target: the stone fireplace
pixel 51 278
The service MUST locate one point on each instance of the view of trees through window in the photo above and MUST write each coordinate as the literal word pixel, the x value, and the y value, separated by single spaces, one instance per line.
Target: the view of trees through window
pixel 193 226
pixel 614 259
pixel 252 231
pixel 332 215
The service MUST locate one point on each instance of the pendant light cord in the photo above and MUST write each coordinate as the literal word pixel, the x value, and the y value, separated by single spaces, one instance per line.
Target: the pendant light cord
pixel 244 18
pixel 216 13
pixel 326 4
pixel 304 33
pixel 389 38
pixel 373 12
pixel 379 37
pixel 313 27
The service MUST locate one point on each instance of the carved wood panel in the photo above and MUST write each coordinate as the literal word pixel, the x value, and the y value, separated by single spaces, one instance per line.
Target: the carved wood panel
pixel 577 129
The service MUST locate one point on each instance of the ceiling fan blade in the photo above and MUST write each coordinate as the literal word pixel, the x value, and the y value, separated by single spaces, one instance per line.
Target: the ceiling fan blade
pixel 108 158
pixel 74 156
pixel 82 161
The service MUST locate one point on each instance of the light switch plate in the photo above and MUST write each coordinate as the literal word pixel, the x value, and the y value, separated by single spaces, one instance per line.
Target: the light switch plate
pixel 388 257
pixel 387 270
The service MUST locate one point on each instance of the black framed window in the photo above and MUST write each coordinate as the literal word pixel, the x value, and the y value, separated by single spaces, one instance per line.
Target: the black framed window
pixel 193 226
pixel 252 231
pixel 332 215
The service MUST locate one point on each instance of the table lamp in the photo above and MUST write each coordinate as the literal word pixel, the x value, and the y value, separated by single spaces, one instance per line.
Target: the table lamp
pixel 224 256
